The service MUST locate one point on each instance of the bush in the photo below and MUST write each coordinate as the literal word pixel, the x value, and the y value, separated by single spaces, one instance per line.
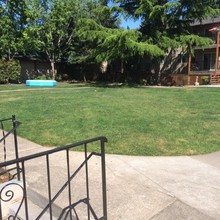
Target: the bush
pixel 205 80
pixel 40 75
pixel 9 71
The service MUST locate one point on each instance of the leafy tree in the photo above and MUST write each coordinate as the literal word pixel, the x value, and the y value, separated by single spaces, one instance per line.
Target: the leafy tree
pixel 46 26
pixel 98 11
pixel 51 29
pixel 114 44
pixel 167 23
pixel 12 21
pixel 188 44
pixel 170 16
pixel 9 70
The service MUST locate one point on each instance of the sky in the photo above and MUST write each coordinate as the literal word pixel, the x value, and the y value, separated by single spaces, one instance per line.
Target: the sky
pixel 125 23
pixel 130 23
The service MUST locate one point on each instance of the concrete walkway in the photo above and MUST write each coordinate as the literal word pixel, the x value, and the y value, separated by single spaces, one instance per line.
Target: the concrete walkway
pixel 140 188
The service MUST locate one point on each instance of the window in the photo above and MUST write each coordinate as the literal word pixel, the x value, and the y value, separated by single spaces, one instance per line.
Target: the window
pixel 209 61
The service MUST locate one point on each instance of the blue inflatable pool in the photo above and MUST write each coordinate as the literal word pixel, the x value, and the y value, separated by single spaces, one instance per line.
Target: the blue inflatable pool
pixel 41 82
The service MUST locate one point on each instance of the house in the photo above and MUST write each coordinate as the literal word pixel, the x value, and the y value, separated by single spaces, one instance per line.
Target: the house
pixel 203 68
pixel 33 67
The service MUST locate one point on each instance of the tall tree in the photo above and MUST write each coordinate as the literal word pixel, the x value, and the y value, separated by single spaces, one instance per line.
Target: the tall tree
pixel 51 29
pixel 168 14
pixel 114 44
pixel 163 22
pixel 13 21
pixel 101 14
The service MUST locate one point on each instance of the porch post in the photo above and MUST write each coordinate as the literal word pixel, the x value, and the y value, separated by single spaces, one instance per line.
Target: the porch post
pixel 189 67
pixel 217 52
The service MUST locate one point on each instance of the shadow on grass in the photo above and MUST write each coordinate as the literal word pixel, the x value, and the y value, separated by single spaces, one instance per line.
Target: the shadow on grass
pixel 106 84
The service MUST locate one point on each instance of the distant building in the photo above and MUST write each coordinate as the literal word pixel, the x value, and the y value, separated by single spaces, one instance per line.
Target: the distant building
pixel 33 67
pixel 202 67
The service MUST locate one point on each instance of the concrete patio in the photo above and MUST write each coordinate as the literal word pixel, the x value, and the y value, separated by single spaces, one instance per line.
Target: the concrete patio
pixel 139 188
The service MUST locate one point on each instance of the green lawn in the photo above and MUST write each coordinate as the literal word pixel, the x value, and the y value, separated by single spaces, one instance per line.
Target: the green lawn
pixel 136 121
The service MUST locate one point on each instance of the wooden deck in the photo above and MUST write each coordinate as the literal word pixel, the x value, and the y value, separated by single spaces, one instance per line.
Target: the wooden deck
pixel 200 76
pixel 202 72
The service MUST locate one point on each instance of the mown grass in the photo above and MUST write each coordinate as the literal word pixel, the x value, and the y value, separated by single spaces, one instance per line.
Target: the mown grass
pixel 136 121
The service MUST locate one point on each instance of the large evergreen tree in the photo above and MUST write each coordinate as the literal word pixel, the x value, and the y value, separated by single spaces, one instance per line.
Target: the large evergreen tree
pixel 115 44
pixel 172 16
pixel 167 23
pixel 84 48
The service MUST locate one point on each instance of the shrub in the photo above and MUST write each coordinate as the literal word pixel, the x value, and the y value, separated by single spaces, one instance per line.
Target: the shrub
pixel 43 77
pixel 205 80
pixel 9 71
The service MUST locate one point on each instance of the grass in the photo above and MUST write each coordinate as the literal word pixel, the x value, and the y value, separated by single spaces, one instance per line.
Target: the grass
pixel 136 121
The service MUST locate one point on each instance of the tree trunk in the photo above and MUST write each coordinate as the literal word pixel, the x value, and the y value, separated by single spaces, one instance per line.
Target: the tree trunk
pixel 189 67
pixel 83 73
pixel 122 66
pixel 9 54
pixel 53 69
pixel 157 69
pixel 52 64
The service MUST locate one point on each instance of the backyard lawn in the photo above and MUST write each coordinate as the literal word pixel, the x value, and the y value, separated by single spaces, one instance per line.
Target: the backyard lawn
pixel 136 121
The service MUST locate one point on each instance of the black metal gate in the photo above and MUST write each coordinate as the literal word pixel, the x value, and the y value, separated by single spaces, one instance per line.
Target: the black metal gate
pixel 18 179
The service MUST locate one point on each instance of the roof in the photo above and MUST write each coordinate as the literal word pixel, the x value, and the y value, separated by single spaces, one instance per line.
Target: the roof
pixel 207 21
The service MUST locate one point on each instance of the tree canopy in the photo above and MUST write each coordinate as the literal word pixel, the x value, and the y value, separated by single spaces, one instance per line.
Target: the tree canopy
pixel 88 31
pixel 168 23
pixel 115 44
pixel 163 20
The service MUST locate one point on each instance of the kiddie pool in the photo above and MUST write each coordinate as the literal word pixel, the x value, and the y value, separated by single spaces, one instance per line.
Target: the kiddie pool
pixel 41 82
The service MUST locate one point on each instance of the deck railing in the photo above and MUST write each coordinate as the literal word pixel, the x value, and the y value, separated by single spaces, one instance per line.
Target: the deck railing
pixel 10 188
